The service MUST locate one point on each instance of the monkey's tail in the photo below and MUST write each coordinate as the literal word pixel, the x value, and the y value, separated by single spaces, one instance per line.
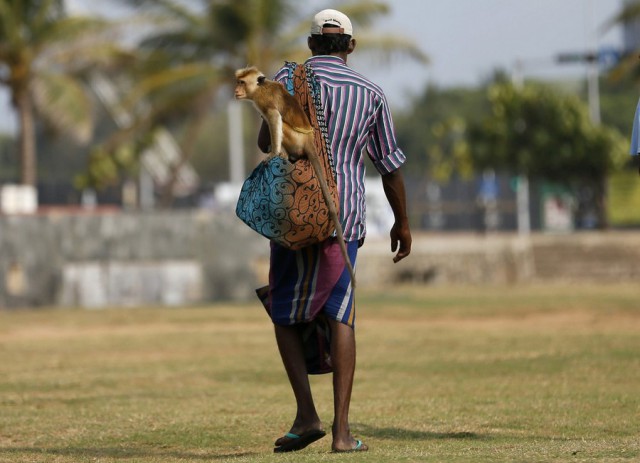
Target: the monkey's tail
pixel 343 247
pixel 334 216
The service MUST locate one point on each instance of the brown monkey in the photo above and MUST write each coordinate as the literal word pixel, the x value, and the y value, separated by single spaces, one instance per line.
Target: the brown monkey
pixel 291 133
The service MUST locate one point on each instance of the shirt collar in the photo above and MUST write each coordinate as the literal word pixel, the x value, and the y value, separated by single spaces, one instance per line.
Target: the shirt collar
pixel 327 59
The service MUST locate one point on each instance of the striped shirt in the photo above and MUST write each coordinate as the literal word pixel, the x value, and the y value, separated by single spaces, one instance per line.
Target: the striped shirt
pixel 358 119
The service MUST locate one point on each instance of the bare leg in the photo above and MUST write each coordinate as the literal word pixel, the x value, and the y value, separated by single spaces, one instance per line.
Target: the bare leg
pixel 290 346
pixel 343 358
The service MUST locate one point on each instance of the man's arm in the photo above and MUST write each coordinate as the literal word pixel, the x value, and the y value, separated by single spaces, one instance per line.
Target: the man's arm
pixel 394 190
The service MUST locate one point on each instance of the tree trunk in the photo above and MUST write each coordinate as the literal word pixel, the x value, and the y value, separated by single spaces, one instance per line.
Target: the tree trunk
pixel 27 139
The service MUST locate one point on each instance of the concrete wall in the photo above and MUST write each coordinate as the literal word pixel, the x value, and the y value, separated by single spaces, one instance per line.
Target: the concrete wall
pixel 181 258
pixel 504 258
pixel 451 258
pixel 128 259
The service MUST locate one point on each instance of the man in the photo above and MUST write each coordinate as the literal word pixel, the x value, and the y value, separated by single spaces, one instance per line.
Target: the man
pixel 358 120
pixel 635 134
pixel 634 149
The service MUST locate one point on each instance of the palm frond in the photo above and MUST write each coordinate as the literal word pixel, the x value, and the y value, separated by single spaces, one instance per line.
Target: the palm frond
pixel 65 105
pixel 178 86
pixel 364 13
pixel 629 13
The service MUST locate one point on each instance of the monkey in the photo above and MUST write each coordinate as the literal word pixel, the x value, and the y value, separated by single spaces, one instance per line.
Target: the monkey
pixel 292 135
pixel 288 124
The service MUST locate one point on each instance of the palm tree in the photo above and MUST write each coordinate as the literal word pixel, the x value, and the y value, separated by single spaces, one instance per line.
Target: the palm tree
pixel 628 64
pixel 42 54
pixel 233 33
pixel 630 12
pixel 214 39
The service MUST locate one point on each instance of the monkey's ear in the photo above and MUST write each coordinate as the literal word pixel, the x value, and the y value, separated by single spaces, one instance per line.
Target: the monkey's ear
pixel 261 80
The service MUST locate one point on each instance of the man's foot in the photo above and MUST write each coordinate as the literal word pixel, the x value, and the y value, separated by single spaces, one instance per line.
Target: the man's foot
pixel 299 428
pixel 291 442
pixel 356 446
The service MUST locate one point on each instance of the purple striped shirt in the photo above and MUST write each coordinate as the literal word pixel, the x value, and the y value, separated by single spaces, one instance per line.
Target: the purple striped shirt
pixel 358 119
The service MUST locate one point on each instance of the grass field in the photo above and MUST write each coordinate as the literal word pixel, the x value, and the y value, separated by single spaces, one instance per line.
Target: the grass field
pixel 537 373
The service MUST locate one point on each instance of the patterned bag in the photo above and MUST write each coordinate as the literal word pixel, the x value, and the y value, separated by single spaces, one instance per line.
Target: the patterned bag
pixel 282 200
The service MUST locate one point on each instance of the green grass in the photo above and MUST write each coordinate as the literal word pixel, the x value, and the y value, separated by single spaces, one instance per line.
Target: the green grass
pixel 536 373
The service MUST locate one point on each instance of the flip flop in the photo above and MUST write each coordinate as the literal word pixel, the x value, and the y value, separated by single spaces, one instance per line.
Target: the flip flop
pixel 360 447
pixel 298 442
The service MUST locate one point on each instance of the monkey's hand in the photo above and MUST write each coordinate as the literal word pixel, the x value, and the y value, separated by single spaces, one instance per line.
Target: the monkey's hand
pixel 272 155
pixel 293 157
pixel 283 154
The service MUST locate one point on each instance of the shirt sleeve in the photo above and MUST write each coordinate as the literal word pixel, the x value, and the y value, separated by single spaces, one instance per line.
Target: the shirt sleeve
pixel 281 75
pixel 635 134
pixel 382 145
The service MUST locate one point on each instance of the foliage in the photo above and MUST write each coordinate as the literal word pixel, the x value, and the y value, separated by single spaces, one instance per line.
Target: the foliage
pixel 188 58
pixel 433 131
pixel 541 133
pixel 624 198
pixel 43 53
pixel 185 58
pixel 618 100
pixel 105 165
pixel 628 16
pixel 449 153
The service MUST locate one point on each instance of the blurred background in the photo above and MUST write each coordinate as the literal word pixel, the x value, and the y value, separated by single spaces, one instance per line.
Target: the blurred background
pixel 122 151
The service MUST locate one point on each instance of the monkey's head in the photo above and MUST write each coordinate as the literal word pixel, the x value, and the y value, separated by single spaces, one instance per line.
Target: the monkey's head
pixel 248 80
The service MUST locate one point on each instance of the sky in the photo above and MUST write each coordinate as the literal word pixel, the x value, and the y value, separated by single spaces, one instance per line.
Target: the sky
pixel 466 41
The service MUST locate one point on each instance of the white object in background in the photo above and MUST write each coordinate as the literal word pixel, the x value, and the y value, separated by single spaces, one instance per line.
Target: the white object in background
pixel 18 199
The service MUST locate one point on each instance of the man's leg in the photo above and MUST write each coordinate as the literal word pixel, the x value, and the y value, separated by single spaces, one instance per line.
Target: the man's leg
pixel 343 359
pixel 290 346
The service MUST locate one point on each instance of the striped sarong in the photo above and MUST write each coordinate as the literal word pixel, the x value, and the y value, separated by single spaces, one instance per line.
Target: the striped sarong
pixel 311 280
pixel 305 288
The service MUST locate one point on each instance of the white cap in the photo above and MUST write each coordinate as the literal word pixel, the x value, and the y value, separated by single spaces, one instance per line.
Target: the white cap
pixel 332 19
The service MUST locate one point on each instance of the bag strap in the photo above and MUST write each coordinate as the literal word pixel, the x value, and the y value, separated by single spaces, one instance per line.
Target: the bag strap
pixel 314 89
pixel 303 84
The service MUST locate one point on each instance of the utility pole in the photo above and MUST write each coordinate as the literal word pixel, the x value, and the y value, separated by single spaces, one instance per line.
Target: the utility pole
pixel 592 61
pixel 236 145
pixel 522 180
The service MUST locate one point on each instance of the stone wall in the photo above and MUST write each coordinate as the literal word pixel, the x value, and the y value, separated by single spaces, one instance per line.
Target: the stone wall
pixel 502 258
pixel 452 258
pixel 170 258
pixel 182 258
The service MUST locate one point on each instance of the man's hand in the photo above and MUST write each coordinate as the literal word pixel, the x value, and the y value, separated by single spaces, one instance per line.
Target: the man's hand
pixel 393 185
pixel 400 241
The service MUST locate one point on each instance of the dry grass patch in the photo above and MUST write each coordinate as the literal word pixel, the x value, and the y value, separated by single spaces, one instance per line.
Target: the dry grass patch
pixel 540 373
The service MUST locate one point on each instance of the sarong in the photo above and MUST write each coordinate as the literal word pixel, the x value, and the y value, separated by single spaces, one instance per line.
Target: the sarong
pixel 303 283
pixel 305 288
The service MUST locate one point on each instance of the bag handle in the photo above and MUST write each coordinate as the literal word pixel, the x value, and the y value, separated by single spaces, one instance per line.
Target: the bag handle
pixel 303 84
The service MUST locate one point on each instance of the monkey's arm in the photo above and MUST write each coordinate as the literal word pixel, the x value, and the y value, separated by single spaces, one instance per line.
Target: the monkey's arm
pixel 274 120
pixel 394 190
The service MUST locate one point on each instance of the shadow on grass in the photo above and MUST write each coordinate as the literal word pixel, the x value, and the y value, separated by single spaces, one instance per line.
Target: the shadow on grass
pixel 121 453
pixel 410 434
